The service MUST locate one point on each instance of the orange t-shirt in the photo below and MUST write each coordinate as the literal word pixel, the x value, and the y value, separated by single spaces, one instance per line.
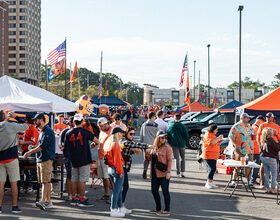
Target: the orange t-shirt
pixel 255 142
pixel 115 158
pixel 31 134
pixel 58 128
pixel 103 136
pixel 275 128
pixel 210 151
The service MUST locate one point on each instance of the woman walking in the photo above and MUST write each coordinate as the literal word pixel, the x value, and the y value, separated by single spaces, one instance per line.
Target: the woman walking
pixel 210 153
pixel 128 148
pixel 269 157
pixel 115 162
pixel 161 157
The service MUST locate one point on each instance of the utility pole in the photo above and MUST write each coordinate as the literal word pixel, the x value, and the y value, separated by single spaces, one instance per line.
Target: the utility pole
pixel 240 8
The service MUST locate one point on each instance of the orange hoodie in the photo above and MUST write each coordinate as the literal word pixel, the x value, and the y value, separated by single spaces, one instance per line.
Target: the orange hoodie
pixel 115 158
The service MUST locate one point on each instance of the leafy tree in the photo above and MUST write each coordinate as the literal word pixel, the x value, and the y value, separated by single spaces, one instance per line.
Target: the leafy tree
pixel 247 83
pixel 276 83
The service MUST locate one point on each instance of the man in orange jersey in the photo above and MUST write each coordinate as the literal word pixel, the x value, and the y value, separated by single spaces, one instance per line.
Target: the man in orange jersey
pixel 260 119
pixel 276 136
pixel 60 126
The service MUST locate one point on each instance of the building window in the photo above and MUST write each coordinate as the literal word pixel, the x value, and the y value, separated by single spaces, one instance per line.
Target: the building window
pixel 12 55
pixel 12 70
pixel 12 48
pixel 12 18
pixel 12 63
pixel 23 25
pixel 12 25
pixel 12 40
pixel 22 70
pixel 12 2
pixel 22 2
pixel 12 32
pixel 22 40
pixel 12 10
pixel 22 48
pixel 22 33
pixel 22 10
pixel 22 18
pixel 22 55
pixel 22 63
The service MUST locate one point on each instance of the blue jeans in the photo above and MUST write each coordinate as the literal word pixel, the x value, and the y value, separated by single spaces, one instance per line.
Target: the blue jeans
pixel 211 168
pixel 269 165
pixel 255 171
pixel 125 185
pixel 164 183
pixel 116 199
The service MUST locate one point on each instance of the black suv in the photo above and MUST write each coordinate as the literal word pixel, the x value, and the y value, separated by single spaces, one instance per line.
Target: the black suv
pixel 195 127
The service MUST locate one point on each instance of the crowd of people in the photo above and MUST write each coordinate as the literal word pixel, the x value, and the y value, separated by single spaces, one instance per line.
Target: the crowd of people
pixel 115 142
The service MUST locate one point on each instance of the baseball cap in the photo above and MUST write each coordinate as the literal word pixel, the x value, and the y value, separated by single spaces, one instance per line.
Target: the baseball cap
pixel 39 116
pixel 244 115
pixel 269 115
pixel 78 117
pixel 71 119
pixel 117 130
pixel 261 117
pixel 102 121
pixel 161 133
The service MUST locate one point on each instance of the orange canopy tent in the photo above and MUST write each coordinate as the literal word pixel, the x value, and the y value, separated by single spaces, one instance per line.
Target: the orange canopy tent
pixel 196 107
pixel 266 103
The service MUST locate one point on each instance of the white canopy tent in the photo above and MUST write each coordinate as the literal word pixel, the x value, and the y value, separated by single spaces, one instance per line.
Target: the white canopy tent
pixel 16 95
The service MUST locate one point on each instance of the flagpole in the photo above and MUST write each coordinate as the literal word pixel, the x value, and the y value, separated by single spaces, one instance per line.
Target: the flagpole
pixel 79 83
pixel 71 86
pixel 47 78
pixel 101 76
pixel 199 84
pixel 65 96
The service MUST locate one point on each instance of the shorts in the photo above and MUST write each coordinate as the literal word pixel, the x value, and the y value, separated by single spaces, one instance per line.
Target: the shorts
pixel 11 169
pixel 68 167
pixel 80 174
pixel 102 170
pixel 44 171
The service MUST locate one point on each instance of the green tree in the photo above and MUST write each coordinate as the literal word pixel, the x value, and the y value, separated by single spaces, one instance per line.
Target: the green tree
pixel 247 83
pixel 276 83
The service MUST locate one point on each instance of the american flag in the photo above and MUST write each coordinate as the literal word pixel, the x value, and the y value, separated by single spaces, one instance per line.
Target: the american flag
pixel 58 52
pixel 215 99
pixel 185 68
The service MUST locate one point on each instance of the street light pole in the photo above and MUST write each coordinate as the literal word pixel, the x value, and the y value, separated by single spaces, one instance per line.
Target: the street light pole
pixel 194 79
pixel 240 8
pixel 208 98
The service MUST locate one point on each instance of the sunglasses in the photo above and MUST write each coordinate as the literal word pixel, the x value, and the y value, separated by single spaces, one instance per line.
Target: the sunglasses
pixel 131 134
pixel 164 137
pixel 117 119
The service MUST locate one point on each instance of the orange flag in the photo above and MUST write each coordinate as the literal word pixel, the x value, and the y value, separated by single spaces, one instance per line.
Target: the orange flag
pixel 74 71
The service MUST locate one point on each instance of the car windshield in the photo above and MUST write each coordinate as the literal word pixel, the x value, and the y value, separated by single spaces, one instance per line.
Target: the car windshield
pixel 201 116
pixel 209 117
pixel 184 117
pixel 194 115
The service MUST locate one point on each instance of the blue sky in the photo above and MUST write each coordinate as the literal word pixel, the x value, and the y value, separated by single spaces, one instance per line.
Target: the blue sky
pixel 146 41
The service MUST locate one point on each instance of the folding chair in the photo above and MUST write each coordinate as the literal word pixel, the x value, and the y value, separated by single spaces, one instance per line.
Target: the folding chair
pixel 96 182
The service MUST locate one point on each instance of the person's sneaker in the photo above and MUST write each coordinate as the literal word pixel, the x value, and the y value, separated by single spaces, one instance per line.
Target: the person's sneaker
pixel 74 202
pixel 214 185
pixel 232 184
pixel 116 214
pixel 144 174
pixel 69 198
pixel 104 198
pixel 208 185
pixel 49 205
pixel 84 203
pixel 41 205
pixel 154 211
pixel 31 190
pixel 251 185
pixel 178 175
pixel 0 209
pixel 261 187
pixel 164 213
pixel 183 175
pixel 125 210
pixel 16 210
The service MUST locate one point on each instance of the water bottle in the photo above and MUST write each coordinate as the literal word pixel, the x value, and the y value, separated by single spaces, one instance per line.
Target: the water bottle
pixel 246 159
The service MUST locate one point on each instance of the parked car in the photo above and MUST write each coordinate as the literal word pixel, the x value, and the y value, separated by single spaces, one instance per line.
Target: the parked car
pixel 195 127
pixel 194 116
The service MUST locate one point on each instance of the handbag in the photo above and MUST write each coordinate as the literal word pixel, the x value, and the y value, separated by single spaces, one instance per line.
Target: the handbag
pixel 160 166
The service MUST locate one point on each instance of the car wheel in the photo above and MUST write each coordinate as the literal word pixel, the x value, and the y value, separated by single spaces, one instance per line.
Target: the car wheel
pixel 194 141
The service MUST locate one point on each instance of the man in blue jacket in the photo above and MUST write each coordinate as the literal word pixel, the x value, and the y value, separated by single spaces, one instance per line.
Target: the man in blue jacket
pixel 177 136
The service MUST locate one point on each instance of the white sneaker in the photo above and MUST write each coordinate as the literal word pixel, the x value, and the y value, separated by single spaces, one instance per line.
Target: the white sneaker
pixel 208 185
pixel 49 205
pixel 214 185
pixel 116 213
pixel 125 210
pixel 178 175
